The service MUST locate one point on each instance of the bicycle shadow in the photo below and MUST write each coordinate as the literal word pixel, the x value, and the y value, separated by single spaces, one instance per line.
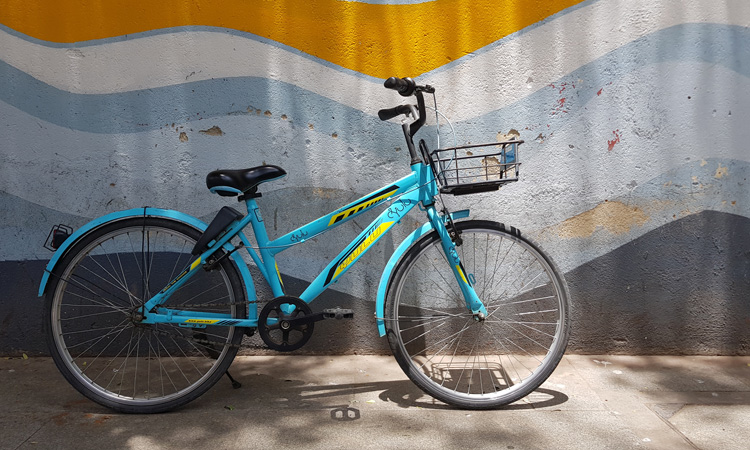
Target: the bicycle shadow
pixel 295 394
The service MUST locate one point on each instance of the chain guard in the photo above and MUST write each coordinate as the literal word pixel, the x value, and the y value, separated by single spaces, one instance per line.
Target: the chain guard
pixel 278 327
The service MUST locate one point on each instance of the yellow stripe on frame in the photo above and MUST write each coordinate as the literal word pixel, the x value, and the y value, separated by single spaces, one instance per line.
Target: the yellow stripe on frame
pixel 279 274
pixel 360 206
pixel 372 237
pixel 195 264
pixel 380 40
pixel 463 277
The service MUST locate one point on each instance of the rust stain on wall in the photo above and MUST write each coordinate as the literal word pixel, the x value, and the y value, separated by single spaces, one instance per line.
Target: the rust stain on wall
pixel 615 217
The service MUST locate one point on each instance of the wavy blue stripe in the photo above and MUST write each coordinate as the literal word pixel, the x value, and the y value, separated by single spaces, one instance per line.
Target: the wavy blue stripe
pixel 717 44
pixel 149 109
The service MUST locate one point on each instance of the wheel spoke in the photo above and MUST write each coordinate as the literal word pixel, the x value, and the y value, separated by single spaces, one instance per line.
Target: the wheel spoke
pixel 106 350
pixel 471 362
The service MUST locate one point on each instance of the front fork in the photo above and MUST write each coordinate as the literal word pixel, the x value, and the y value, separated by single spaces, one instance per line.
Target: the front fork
pixel 473 303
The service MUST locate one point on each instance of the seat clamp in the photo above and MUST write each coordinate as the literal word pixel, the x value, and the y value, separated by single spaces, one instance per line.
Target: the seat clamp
pixel 248 196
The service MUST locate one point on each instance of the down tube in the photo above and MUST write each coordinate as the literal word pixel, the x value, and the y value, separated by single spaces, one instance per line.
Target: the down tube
pixel 372 234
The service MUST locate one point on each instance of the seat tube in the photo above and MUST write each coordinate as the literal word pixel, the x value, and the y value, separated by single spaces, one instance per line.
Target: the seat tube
pixel 473 303
pixel 261 237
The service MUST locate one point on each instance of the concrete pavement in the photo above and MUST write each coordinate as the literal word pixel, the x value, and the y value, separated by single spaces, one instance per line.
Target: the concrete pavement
pixel 590 402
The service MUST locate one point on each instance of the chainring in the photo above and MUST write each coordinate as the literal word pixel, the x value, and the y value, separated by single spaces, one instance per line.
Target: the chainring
pixel 277 331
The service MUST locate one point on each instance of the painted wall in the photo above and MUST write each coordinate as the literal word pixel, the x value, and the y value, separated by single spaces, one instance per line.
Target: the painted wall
pixel 635 116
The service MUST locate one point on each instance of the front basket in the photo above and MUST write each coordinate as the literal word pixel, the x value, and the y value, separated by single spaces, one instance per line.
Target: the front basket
pixel 476 168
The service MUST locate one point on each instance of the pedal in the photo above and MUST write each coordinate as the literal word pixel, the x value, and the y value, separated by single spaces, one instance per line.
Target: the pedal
pixel 338 313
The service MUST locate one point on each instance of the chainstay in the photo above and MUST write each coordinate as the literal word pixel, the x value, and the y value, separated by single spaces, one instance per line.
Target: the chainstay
pixel 213 305
pixel 208 341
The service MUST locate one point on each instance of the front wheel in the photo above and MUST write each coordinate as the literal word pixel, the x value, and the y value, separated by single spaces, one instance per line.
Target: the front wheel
pixel 478 364
pixel 93 307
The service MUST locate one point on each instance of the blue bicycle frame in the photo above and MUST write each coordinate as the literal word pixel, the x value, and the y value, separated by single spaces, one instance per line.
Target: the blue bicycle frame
pixel 419 187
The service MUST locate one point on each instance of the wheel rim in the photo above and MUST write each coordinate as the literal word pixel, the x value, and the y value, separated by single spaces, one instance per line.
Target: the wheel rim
pixel 94 318
pixel 497 360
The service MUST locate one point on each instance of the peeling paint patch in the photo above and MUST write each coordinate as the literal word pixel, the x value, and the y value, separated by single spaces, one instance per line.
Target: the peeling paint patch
pixel 721 172
pixel 512 134
pixel 183 137
pixel 213 131
pixel 325 192
pixel 615 217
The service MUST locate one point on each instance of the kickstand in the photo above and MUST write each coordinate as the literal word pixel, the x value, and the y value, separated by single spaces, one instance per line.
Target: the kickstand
pixel 235 384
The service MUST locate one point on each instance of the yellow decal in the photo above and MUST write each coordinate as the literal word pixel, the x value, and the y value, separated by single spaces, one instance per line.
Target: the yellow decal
pixel 357 208
pixel 204 321
pixel 362 247
pixel 279 274
pixel 195 264
pixel 462 274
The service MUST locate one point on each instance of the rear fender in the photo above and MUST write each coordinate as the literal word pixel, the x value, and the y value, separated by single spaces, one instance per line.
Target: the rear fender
pixel 140 212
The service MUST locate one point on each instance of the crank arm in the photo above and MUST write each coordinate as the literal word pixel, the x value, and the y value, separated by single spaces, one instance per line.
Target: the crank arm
pixel 332 313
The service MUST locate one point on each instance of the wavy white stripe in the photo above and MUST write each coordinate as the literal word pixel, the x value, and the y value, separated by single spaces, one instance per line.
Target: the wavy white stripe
pixel 502 73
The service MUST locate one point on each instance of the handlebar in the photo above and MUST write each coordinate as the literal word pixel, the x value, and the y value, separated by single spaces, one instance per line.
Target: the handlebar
pixel 390 113
pixel 407 87
pixel 404 86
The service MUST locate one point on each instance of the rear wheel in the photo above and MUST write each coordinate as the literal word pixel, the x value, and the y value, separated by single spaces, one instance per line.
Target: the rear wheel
pixel 457 359
pixel 92 309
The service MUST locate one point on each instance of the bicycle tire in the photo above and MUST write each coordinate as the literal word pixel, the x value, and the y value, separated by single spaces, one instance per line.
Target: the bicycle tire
pixel 462 361
pixel 108 356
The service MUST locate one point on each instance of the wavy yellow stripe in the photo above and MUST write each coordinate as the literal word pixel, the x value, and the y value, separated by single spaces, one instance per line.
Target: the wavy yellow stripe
pixel 374 39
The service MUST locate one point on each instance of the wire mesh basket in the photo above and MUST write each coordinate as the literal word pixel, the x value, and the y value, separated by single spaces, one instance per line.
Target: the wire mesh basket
pixel 476 168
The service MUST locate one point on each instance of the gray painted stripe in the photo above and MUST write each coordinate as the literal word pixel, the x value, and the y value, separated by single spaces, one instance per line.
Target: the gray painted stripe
pixel 134 111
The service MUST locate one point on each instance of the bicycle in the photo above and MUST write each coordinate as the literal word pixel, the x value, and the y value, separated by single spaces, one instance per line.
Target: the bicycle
pixel 146 308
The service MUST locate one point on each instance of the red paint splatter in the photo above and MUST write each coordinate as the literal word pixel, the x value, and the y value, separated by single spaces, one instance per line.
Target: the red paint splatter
pixel 564 85
pixel 616 140
pixel 600 92
pixel 560 106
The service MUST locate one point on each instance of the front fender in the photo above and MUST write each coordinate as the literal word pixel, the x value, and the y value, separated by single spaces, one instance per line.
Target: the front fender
pixel 395 258
pixel 140 212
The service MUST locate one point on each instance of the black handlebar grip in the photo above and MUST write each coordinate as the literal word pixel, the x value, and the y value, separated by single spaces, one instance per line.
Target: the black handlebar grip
pixel 404 86
pixel 390 113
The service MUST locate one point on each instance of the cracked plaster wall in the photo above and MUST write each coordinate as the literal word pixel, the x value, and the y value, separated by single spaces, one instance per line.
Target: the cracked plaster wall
pixel 634 115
